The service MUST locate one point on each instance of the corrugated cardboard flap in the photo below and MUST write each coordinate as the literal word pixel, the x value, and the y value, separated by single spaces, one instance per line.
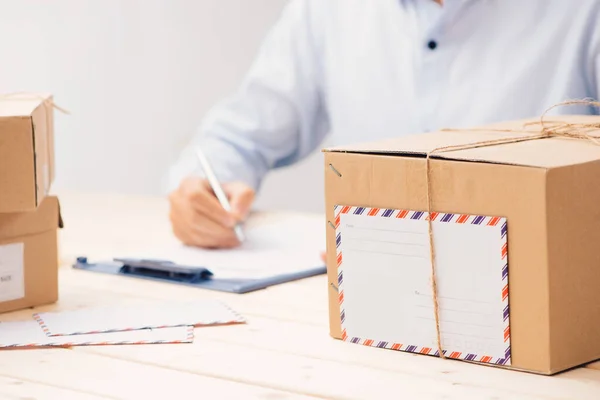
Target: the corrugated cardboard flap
pixel 26 125
pixel 542 153
pixel 21 105
pixel 47 217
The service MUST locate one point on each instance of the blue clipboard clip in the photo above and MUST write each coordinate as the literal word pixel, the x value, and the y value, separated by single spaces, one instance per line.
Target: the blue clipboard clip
pixel 195 276
pixel 164 269
pixel 157 269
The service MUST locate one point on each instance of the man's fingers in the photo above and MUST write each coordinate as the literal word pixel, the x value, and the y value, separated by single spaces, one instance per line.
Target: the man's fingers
pixel 241 204
pixel 201 223
pixel 207 204
pixel 201 231
pixel 241 198
pixel 199 219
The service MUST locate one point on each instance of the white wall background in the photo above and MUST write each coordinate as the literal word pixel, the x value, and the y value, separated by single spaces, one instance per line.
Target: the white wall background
pixel 137 77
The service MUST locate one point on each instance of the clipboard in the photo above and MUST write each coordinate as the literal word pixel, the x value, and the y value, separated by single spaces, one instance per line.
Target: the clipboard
pixel 188 275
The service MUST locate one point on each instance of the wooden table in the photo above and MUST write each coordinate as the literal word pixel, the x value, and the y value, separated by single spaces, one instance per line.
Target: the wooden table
pixel 283 352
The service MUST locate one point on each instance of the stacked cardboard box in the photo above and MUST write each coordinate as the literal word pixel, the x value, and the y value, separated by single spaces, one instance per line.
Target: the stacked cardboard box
pixel 29 215
pixel 536 193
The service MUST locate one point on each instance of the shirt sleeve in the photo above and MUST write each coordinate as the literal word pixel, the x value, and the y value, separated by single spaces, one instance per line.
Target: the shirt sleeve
pixel 594 58
pixel 276 117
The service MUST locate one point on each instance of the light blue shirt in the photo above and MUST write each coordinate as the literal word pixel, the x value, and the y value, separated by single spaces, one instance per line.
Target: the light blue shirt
pixel 359 70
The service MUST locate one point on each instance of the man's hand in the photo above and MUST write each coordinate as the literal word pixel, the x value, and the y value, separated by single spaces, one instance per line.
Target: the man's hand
pixel 197 217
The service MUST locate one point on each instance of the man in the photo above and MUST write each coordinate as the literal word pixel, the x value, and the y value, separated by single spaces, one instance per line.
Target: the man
pixel 365 69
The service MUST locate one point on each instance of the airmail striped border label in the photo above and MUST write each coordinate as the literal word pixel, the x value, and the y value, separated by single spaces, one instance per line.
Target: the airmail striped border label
pixel 437 217
pixel 189 338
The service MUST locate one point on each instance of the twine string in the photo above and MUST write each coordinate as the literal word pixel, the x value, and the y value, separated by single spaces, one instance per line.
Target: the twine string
pixel 548 129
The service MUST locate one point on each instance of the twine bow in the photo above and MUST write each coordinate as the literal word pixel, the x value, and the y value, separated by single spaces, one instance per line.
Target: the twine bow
pixel 549 129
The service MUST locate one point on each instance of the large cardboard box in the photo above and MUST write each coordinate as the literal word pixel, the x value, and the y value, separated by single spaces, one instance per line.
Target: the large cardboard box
pixel 29 257
pixel 545 189
pixel 26 151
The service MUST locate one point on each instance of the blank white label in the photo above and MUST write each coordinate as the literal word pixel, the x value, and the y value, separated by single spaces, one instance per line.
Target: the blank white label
pixel 384 279
pixel 12 276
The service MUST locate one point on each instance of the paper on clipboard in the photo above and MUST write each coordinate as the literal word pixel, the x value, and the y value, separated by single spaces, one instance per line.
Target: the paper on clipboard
pixel 287 245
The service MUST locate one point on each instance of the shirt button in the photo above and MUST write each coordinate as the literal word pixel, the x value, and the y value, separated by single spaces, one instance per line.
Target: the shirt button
pixel 432 44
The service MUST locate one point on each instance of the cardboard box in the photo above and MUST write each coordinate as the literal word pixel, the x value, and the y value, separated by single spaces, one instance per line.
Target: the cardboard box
pixel 26 151
pixel 546 189
pixel 29 257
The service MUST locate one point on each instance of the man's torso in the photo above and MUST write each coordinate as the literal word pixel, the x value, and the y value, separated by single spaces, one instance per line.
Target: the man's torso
pixel 491 60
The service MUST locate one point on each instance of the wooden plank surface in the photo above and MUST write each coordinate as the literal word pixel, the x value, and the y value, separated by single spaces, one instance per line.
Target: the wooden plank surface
pixel 18 389
pixel 283 352
pixel 121 379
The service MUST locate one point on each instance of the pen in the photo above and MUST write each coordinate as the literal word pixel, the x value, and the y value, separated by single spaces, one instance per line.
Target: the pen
pixel 216 187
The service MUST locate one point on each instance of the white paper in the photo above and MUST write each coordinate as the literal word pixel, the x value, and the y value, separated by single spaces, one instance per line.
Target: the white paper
pixel 387 292
pixel 288 245
pixel 12 277
pixel 30 334
pixel 110 319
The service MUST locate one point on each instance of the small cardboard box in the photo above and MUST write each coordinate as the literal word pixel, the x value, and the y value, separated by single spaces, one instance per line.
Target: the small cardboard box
pixel 26 151
pixel 547 192
pixel 29 256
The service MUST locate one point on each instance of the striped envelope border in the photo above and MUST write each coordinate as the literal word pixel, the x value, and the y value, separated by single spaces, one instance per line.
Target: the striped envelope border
pixel 438 217
pixel 236 318
pixel 189 338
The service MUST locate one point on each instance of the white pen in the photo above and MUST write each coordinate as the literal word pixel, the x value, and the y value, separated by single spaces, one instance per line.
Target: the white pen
pixel 216 187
